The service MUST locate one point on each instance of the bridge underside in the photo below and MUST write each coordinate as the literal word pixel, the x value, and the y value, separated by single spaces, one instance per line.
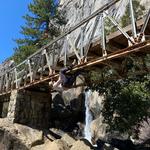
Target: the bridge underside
pixel 114 59
pixel 35 75
pixel 117 51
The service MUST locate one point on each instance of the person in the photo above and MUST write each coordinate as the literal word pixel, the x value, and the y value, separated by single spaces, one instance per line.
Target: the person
pixel 65 81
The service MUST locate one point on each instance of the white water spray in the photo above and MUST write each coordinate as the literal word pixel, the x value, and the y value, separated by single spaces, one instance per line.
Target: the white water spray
pixel 88 117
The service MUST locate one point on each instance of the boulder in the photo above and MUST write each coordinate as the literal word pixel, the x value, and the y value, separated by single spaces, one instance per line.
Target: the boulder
pixel 68 139
pixel 144 134
pixel 68 107
pixel 98 129
pixel 80 144
pixel 44 146
pixel 58 145
pixel 96 103
pixel 18 137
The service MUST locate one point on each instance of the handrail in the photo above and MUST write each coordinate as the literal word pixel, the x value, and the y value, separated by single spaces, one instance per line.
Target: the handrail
pixel 41 64
pixel 100 10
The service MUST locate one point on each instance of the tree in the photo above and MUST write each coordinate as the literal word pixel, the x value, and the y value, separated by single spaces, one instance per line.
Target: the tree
pixel 127 100
pixel 42 25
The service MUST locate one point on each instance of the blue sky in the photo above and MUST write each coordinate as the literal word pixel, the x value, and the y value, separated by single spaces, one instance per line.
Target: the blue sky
pixel 11 12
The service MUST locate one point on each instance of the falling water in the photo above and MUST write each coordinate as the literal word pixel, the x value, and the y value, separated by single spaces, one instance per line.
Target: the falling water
pixel 88 117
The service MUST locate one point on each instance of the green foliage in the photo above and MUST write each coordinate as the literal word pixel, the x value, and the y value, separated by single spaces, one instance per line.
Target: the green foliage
pixel 128 99
pixel 109 27
pixel 127 103
pixel 42 25
pixel 138 12
pixel 23 52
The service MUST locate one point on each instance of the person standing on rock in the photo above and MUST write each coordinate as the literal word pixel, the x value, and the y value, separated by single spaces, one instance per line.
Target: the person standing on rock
pixel 65 81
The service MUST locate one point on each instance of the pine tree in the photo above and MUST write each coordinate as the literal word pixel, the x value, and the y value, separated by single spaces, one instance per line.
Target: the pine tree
pixel 41 26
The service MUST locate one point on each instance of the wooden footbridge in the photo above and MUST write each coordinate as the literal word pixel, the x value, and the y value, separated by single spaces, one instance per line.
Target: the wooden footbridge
pixel 111 50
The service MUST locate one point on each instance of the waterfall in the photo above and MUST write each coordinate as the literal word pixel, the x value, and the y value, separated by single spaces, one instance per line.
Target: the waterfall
pixel 88 117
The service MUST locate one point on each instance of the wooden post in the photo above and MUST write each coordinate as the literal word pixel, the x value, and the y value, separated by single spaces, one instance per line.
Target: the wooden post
pixel 92 34
pixel 134 33
pixel 65 54
pixel 30 70
pixel 16 79
pixel 82 40
pixel 53 61
pixel 47 61
pixel 74 48
pixel 103 37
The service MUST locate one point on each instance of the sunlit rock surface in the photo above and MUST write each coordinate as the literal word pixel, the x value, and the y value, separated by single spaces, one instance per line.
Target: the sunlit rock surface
pixel 67 107
pixel 18 137
pixel 77 10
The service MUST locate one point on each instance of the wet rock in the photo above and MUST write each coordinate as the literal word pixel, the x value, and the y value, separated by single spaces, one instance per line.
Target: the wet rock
pixel 96 103
pixel 144 134
pixel 98 129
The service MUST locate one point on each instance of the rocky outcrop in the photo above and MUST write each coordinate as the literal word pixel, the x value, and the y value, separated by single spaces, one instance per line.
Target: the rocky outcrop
pixel 144 133
pixel 59 145
pixel 68 139
pixel 18 137
pixel 37 110
pixel 65 143
pixel 81 145
pixel 76 10
pixel 68 107
pixel 65 111
pixel 80 9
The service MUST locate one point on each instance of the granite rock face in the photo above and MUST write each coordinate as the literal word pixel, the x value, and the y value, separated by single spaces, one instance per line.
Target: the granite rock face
pixel 80 145
pixel 76 10
pixel 64 110
pixel 18 137
pixel 30 108
pixel 68 107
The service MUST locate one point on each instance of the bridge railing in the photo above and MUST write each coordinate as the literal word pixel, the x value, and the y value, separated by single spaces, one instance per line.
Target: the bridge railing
pixel 44 62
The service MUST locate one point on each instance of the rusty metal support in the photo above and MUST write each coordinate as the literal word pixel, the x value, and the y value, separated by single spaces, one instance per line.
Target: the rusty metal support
pixel 92 34
pixel 48 62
